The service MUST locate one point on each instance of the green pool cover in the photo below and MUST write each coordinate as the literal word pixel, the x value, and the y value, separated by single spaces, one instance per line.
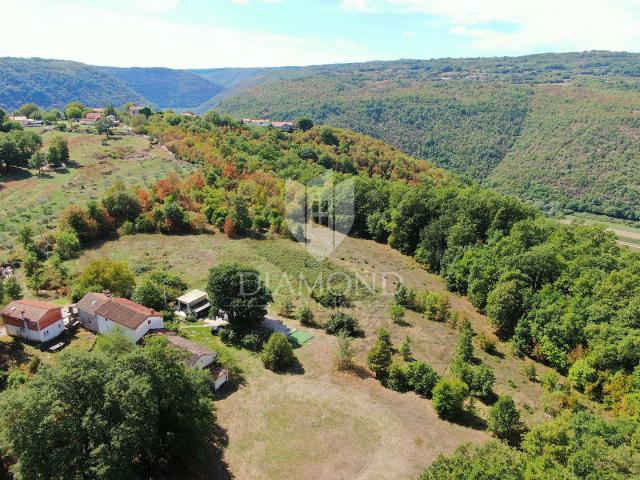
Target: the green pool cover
pixel 299 338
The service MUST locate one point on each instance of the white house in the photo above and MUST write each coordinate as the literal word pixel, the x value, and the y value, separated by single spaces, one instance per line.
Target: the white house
pixel 102 314
pixel 194 302
pixel 33 320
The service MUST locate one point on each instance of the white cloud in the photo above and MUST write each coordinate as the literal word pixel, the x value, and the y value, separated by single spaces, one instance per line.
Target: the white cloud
pixel 409 34
pixel 102 37
pixel 564 24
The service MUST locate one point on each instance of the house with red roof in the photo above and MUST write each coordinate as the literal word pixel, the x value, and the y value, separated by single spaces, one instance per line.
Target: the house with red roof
pixel 33 320
pixel 91 117
pixel 101 314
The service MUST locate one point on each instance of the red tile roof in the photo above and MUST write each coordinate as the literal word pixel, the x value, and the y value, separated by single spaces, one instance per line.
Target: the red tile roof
pixel 39 315
pixel 93 116
pixel 125 312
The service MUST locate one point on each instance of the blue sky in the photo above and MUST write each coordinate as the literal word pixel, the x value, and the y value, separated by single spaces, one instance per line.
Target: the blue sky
pixel 218 33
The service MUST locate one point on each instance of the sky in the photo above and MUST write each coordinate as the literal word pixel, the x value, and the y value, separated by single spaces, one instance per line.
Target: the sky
pixel 258 33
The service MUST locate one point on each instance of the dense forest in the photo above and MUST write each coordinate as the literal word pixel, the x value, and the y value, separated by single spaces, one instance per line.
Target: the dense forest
pixel 555 129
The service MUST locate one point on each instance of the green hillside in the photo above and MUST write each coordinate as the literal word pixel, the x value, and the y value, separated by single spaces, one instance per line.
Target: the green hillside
pixel 165 87
pixel 557 129
pixel 55 83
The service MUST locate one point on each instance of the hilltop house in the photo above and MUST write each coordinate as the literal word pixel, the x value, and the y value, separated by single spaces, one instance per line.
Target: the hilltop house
pixel 26 122
pixel 194 302
pixel 265 122
pixel 91 118
pixel 197 356
pixel 286 126
pixel 101 314
pixel 33 320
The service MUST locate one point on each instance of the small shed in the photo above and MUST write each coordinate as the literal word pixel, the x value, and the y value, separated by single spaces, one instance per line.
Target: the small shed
pixel 194 302
pixel 198 356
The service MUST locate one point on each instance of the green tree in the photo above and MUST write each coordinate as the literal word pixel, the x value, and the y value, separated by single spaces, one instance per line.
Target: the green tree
pixel 67 244
pixel 121 204
pixel 404 296
pixel 379 358
pixel 449 396
pixel 422 378
pixel 103 127
pixel 28 110
pixel 114 343
pixel 505 306
pixel 58 152
pixel 277 354
pixel 239 293
pixel 464 350
pixel 74 110
pixel 12 288
pixel 504 418
pixel 345 351
pixel 343 323
pixel 328 137
pixel 131 412
pixel 304 124
pixel 405 349
pixel 37 160
pixel 396 313
pixel 105 274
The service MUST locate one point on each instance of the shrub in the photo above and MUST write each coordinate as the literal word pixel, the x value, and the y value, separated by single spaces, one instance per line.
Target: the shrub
pixel 550 381
pixel 287 307
pixel 483 381
pixel 278 353
pixel 396 313
pixel 16 378
pixel 252 341
pixel 529 371
pixel 341 322
pixel 397 378
pixel 34 364
pixel 449 395
pixel 582 374
pixel 305 316
pixel 345 351
pixel 422 378
pixel 487 344
pixel 436 307
pixel 504 418
pixel 330 297
pixel 227 336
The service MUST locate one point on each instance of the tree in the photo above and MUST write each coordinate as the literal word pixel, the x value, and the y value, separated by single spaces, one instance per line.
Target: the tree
pixel 504 418
pixel 345 352
pixel 103 127
pixel 490 461
pixel 105 274
pixel 74 110
pixel 404 296
pixel 328 137
pixel 121 204
pixel 449 396
pixel 239 293
pixel 277 354
pixel 67 244
pixel 405 349
pixel 132 413
pixel 58 152
pixel 379 358
pixel 114 343
pixel 38 160
pixel 505 307
pixel 464 350
pixel 397 378
pixel 304 124
pixel 12 288
pixel 158 289
pixel 343 323
pixel 28 110
pixel 422 378
pixel 396 313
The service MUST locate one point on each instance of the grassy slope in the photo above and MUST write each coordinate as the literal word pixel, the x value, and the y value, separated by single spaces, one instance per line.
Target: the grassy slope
pixel 325 423
pixel 27 198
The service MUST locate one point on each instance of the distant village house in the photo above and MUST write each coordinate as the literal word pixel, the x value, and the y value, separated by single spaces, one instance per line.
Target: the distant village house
pixel 33 320
pixel 264 122
pixel 26 122
pixel 197 356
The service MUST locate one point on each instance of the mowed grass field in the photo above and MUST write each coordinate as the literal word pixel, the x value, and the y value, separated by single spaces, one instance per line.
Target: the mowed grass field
pixel 26 198
pixel 321 423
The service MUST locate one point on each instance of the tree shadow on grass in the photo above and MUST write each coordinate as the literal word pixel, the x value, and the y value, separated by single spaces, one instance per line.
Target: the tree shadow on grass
pixel 213 465
pixel 11 352
pixel 470 420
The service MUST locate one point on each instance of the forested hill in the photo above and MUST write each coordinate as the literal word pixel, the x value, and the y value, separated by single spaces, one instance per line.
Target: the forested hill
pixel 55 83
pixel 166 87
pixel 561 130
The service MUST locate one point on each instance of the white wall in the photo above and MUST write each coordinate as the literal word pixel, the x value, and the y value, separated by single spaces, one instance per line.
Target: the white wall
pixel 204 361
pixel 49 333
pixel 105 325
